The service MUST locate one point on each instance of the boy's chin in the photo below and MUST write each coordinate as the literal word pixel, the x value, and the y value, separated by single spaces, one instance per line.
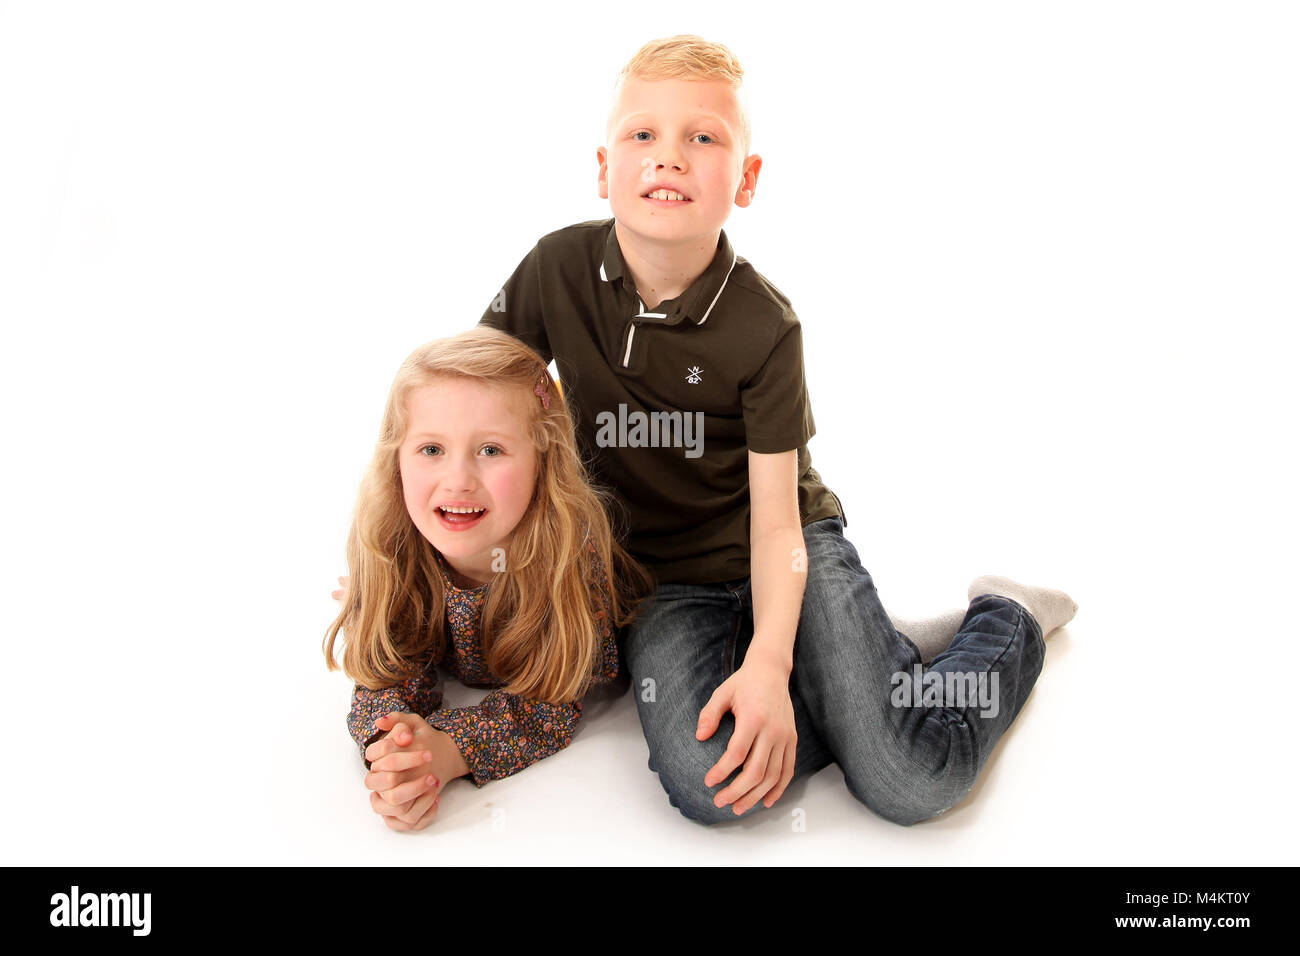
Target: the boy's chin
pixel 670 225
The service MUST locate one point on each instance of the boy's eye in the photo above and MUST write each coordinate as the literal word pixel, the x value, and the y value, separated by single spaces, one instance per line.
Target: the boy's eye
pixel 707 136
pixel 638 133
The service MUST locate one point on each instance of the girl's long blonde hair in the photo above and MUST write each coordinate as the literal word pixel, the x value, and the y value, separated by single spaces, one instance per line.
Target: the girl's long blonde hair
pixel 540 628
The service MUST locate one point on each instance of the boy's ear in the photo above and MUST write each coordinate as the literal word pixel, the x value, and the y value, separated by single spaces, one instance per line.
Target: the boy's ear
pixel 748 180
pixel 602 179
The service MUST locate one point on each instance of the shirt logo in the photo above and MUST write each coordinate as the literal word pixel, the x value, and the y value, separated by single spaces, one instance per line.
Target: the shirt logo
pixel 694 376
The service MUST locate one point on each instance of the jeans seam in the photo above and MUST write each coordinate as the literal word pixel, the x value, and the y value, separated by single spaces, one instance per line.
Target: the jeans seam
pixel 974 737
pixel 734 641
pixel 1020 616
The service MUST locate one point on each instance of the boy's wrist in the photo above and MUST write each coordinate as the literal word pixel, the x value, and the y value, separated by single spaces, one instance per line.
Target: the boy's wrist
pixel 771 653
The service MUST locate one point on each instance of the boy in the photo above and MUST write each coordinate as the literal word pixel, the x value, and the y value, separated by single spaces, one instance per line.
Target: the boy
pixel 684 369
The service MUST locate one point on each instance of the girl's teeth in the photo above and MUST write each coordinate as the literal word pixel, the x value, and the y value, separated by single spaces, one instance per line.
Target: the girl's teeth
pixel 462 511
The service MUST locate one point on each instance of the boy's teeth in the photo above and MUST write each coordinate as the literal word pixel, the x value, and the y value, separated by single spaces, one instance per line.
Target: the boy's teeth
pixel 666 194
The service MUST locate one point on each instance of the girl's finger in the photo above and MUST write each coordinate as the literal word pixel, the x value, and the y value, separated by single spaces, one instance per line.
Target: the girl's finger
pixel 395 823
pixel 402 760
pixel 400 734
pixel 422 811
pixel 405 792
pixel 385 782
pixel 379 749
pixel 428 815
pixel 384 809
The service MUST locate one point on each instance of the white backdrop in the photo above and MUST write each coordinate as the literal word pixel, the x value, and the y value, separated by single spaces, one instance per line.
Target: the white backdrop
pixel 1045 258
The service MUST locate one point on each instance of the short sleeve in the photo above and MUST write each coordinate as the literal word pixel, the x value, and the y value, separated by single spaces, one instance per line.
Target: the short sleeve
pixel 517 307
pixel 778 415
pixel 421 695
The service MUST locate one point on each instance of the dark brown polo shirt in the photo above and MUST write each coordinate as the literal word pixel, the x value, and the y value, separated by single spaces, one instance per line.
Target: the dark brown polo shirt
pixel 666 403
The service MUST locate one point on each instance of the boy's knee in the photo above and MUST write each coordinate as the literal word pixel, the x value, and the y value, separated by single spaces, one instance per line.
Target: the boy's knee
pixel 688 794
pixel 914 800
pixel 703 812
pixel 681 763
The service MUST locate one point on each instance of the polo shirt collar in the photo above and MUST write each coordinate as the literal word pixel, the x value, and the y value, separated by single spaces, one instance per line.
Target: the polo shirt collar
pixel 697 301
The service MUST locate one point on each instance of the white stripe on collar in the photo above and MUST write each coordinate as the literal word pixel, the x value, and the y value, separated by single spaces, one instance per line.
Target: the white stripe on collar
pixel 720 288
pixel 660 315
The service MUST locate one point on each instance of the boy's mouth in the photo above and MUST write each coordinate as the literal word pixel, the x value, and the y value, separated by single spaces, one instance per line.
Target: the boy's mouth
pixel 664 196
pixel 459 519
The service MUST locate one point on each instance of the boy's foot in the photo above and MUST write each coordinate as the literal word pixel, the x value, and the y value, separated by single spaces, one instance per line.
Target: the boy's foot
pixel 1051 608
pixel 931 635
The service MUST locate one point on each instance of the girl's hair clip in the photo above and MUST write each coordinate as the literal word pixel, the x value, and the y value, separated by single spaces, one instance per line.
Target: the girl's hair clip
pixel 542 392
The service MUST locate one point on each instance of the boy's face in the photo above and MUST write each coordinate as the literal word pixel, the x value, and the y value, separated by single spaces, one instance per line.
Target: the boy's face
pixel 682 134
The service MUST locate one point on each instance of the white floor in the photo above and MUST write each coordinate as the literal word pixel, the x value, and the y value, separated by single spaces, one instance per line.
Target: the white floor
pixel 1122 755
pixel 1100 768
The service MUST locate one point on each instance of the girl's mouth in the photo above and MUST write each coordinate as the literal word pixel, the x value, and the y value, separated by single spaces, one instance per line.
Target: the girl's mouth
pixel 453 521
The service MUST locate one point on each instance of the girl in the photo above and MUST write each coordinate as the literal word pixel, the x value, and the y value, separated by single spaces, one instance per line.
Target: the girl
pixel 477 544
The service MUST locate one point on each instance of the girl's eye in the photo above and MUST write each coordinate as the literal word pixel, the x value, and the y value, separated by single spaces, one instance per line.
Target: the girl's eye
pixel 495 448
pixel 429 450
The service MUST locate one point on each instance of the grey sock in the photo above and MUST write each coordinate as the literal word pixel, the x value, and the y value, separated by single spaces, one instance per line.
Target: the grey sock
pixel 1050 607
pixel 931 635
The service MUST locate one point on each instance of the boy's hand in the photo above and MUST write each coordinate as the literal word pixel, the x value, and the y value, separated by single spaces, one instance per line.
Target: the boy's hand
pixel 758 694
pixel 408 769
pixel 343 586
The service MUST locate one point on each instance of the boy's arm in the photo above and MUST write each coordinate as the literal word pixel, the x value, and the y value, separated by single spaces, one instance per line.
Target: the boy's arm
pixel 758 693
pixel 777 566
pixel 778 420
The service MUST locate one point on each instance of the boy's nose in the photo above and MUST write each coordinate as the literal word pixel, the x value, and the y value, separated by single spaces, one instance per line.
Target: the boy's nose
pixel 669 156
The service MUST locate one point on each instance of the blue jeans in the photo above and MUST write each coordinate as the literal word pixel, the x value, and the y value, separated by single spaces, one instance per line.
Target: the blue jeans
pixel 907 751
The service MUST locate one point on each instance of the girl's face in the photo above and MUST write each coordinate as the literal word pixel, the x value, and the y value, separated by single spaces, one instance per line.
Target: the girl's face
pixel 467 448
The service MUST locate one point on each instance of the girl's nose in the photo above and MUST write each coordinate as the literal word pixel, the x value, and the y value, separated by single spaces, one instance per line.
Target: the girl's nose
pixel 461 475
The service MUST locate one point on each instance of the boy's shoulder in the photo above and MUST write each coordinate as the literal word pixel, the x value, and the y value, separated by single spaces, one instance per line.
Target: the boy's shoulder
pixel 590 233
pixel 762 291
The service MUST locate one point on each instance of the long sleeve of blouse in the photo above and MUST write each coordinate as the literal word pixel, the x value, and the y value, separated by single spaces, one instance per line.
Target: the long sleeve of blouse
pixel 503 733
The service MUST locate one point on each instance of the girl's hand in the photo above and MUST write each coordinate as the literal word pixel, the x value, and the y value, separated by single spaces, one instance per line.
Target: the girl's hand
pixel 758 694
pixel 408 769
pixel 343 586
pixel 415 815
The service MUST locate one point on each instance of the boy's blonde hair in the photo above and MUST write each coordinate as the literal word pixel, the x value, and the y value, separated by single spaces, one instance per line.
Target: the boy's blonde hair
pixel 688 57
pixel 540 629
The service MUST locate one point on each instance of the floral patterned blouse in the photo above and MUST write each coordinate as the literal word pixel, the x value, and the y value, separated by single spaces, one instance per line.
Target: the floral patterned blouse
pixel 503 733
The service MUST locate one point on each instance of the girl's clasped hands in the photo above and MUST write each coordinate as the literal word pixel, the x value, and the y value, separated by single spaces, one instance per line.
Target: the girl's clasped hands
pixel 409 766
